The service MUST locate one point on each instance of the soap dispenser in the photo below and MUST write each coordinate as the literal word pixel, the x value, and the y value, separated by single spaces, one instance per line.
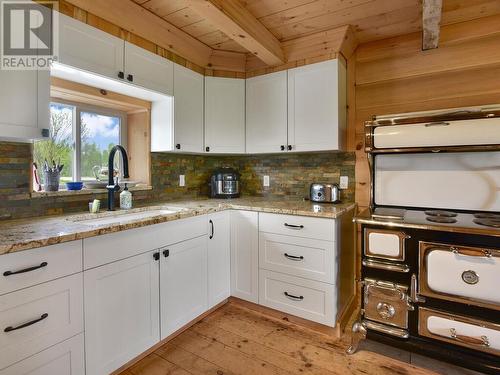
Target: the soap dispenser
pixel 125 199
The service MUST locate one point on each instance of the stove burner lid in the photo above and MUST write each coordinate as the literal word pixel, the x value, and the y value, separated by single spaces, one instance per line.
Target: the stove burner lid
pixel 440 214
pixel 487 216
pixel 441 219
pixel 488 222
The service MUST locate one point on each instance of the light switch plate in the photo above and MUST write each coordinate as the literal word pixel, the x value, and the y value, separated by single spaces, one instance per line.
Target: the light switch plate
pixel 266 181
pixel 182 180
pixel 344 182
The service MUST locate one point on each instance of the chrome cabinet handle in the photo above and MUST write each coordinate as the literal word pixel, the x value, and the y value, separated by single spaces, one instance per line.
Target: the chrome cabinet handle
pixel 294 298
pixel 293 257
pixel 30 323
pixel 472 253
pixel 24 270
pixel 296 227
pixel 480 341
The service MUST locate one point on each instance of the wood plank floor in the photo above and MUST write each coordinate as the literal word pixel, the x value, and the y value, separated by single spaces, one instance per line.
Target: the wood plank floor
pixel 235 340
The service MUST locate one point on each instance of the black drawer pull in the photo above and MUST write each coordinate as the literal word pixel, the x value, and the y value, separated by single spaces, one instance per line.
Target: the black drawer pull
pixel 42 317
pixel 293 257
pixel 166 253
pixel 9 273
pixel 292 297
pixel 156 256
pixel 212 230
pixel 291 226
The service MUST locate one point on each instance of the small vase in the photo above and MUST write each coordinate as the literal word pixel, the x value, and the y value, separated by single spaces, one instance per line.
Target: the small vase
pixel 51 181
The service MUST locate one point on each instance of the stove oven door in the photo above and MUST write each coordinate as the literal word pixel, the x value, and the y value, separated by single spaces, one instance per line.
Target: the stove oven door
pixel 459 273
pixel 385 244
pixel 459 330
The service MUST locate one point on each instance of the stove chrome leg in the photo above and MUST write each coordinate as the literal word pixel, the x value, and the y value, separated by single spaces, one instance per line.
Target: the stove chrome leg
pixel 358 334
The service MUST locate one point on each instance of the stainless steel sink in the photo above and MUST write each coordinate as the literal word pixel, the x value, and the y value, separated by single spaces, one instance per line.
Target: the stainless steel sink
pixel 125 217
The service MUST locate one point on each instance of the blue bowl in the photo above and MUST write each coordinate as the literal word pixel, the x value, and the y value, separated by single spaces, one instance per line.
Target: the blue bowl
pixel 74 185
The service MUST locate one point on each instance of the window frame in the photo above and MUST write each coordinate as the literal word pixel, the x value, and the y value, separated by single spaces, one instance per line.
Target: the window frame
pixel 78 108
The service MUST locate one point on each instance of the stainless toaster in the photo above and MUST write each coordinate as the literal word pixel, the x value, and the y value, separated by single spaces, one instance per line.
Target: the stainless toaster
pixel 327 193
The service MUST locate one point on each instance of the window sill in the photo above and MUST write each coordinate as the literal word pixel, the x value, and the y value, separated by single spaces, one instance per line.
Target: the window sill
pixel 72 193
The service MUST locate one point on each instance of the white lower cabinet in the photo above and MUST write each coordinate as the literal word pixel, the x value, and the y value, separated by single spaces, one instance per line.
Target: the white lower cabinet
pixel 66 358
pixel 183 284
pixel 245 255
pixel 219 258
pixel 38 317
pixel 121 311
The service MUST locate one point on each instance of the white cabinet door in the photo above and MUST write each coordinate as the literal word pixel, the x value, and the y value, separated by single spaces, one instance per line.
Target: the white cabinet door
pixel 245 255
pixel 183 284
pixel 224 115
pixel 317 106
pixel 24 103
pixel 65 358
pixel 188 110
pixel 85 47
pixel 148 70
pixel 266 113
pixel 121 312
pixel 219 258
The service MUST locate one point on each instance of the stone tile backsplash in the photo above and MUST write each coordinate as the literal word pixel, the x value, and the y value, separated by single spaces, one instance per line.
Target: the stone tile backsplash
pixel 290 176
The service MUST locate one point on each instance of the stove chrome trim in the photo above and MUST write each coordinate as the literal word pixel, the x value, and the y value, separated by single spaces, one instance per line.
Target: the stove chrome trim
pixel 383 265
pixel 424 289
pixel 393 331
pixel 402 244
pixel 474 343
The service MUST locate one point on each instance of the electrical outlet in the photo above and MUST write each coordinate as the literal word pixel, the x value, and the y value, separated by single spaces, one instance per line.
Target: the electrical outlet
pixel 266 181
pixel 344 182
pixel 182 180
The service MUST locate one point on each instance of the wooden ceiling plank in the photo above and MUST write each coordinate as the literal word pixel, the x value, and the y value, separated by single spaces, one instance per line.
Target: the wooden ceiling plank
pixel 232 18
pixel 201 28
pixel 431 23
pixel 262 8
pixel 136 19
pixel 465 10
pixel 183 17
pixel 163 8
pixel 363 16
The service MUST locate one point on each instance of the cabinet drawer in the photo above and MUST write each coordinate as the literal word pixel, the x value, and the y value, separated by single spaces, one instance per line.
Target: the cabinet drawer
pixel 460 330
pixel 115 246
pixel 65 358
pixel 54 309
pixel 27 268
pixel 304 298
pixel 298 226
pixel 303 257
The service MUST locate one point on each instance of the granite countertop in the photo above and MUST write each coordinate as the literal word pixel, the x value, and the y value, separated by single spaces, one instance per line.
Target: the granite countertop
pixel 18 235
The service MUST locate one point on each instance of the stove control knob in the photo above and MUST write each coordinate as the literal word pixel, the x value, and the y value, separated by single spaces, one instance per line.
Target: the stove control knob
pixel 386 310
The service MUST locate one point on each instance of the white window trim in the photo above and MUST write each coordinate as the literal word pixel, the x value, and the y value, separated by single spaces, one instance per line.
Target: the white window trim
pixel 77 141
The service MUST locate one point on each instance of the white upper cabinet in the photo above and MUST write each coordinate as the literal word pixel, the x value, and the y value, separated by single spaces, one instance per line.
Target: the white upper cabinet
pixel 148 70
pixel 24 104
pixel 266 113
pixel 219 258
pixel 188 110
pixel 224 115
pixel 317 106
pixel 85 47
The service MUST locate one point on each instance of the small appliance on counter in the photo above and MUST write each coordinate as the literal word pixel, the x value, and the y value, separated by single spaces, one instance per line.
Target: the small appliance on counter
pixel 225 183
pixel 324 193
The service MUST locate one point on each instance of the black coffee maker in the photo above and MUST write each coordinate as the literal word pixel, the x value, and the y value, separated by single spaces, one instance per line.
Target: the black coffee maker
pixel 225 183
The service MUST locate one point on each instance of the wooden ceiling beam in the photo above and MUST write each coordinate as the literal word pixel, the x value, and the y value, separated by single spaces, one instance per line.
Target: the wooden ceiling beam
pixel 431 21
pixel 234 20
pixel 130 16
